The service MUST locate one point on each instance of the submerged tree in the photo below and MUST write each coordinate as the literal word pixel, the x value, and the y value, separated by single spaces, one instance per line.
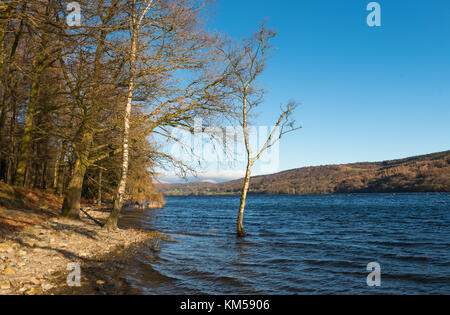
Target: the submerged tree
pixel 247 63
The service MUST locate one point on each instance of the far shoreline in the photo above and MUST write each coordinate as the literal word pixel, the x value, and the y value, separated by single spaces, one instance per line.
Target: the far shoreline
pixel 336 194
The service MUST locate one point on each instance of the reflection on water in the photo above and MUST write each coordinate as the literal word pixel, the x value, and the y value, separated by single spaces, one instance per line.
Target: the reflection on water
pixel 297 245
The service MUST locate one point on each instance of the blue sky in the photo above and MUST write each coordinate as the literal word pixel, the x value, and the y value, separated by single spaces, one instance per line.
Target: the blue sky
pixel 366 94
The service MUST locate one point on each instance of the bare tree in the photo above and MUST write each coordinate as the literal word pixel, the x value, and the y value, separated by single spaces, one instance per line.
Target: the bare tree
pixel 247 63
pixel 138 13
pixel 99 89
pixel 170 58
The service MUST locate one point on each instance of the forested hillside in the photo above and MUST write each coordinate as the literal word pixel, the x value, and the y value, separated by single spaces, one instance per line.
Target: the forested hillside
pixel 428 173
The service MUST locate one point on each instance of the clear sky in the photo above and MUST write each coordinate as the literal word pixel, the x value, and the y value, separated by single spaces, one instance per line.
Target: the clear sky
pixel 366 93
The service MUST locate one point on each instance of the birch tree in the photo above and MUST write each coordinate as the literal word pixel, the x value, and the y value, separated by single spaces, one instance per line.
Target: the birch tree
pixel 138 12
pixel 170 63
pixel 247 64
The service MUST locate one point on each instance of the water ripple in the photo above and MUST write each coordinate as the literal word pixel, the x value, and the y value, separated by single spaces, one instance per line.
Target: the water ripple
pixel 298 245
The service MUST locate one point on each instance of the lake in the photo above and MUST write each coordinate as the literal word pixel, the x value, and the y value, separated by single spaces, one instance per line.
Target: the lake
pixel 297 245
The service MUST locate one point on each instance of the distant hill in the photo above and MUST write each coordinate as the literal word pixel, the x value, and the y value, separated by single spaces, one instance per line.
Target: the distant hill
pixel 426 173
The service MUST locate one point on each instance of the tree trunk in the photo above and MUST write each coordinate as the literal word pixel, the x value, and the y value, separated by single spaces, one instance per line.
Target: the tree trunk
pixel 59 187
pixel 26 146
pixel 71 206
pixel 2 122
pixel 3 74
pixel 56 167
pixel 61 179
pixel 44 175
pixel 99 191
pixel 240 221
pixel 27 140
pixel 111 223
pixel 12 145
pixel 6 62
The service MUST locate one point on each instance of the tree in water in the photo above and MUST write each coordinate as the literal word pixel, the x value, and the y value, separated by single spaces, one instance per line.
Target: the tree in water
pixel 246 64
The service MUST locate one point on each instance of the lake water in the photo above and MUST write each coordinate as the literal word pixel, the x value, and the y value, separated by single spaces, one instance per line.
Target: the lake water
pixel 297 245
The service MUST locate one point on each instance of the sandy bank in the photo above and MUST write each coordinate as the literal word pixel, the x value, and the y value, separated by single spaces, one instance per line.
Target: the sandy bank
pixel 35 260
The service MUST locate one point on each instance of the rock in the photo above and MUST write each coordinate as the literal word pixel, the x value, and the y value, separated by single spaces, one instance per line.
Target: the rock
pixel 34 280
pixel 31 291
pixel 22 290
pixel 47 286
pixel 4 248
pixel 8 270
pixel 22 253
pixel 32 231
pixel 5 285
pixel 29 242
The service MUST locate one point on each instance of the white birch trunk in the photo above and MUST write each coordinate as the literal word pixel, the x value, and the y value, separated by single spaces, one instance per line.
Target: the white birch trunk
pixel 111 223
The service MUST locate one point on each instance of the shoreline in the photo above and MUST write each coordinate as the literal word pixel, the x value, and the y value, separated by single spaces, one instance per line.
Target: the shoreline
pixel 34 259
pixel 303 195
